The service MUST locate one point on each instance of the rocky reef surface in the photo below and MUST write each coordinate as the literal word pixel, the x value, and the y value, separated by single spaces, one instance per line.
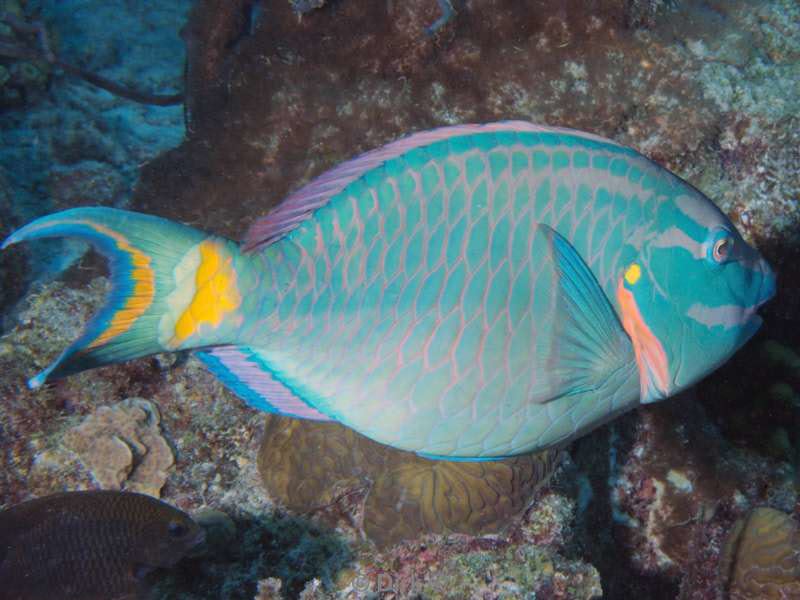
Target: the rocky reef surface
pixel 67 143
pixel 659 504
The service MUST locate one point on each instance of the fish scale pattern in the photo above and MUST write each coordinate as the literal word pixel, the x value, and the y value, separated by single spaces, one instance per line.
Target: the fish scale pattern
pixel 469 292
pixel 422 284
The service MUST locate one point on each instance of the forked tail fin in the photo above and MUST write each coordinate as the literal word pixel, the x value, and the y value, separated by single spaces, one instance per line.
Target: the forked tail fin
pixel 173 286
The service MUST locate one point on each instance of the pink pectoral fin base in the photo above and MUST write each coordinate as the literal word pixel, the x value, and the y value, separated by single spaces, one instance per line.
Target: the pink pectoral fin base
pixel 650 356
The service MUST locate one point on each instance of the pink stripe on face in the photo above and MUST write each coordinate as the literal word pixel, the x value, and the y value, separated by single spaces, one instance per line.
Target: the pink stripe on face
pixel 650 356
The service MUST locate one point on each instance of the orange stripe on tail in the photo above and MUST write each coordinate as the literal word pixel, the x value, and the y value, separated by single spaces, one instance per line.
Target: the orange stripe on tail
pixel 142 275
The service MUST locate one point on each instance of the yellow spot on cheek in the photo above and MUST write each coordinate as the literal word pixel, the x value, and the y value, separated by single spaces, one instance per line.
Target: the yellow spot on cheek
pixel 216 293
pixel 633 273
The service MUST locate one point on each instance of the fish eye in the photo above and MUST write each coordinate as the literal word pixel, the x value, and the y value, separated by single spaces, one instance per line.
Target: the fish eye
pixel 722 247
pixel 177 529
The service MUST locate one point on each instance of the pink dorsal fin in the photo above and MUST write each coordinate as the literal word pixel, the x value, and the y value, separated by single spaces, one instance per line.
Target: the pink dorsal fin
pixel 297 207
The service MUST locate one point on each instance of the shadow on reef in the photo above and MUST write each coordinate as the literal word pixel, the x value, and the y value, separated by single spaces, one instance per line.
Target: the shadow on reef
pixel 596 535
pixel 14 278
pixel 242 552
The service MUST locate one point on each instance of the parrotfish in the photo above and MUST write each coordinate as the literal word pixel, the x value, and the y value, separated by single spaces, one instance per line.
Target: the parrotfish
pixel 473 291
pixel 96 545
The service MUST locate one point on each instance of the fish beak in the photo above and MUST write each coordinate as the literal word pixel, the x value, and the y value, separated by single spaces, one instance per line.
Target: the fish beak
pixel 766 291
pixel 768 283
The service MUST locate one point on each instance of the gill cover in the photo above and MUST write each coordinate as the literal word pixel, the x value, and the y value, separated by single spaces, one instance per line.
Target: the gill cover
pixel 689 300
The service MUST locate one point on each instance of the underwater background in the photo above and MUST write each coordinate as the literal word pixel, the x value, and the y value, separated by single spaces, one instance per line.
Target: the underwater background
pixel 692 498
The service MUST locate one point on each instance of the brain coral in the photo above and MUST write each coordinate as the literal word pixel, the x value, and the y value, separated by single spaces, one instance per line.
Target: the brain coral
pixel 307 465
pixel 761 558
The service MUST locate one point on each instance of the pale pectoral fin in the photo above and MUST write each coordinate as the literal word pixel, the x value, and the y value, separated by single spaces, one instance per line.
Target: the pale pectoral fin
pixel 589 347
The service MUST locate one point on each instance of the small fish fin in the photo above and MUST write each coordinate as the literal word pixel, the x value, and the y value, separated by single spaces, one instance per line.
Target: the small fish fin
pixel 144 254
pixel 298 206
pixel 248 376
pixel 589 345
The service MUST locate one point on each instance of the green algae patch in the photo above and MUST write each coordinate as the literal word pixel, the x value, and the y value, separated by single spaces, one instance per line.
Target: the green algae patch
pixel 516 572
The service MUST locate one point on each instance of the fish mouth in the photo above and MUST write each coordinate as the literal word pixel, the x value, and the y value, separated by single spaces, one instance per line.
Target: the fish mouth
pixel 768 286
pixel 766 292
pixel 750 315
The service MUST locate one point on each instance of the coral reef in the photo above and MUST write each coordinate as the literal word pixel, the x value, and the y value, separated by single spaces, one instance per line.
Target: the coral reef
pixel 529 560
pixel 707 89
pixel 417 496
pixel 85 183
pixel 751 74
pixel 521 572
pixel 13 267
pixel 287 550
pixel 646 13
pixel 269 589
pixel 393 495
pixel 27 419
pixel 24 76
pixel 75 143
pixel 212 434
pixel 123 447
pixel 768 377
pixel 676 488
pixel 761 558
pixel 293 112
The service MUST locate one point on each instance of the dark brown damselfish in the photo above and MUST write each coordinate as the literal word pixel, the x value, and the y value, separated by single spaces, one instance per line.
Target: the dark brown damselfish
pixel 95 545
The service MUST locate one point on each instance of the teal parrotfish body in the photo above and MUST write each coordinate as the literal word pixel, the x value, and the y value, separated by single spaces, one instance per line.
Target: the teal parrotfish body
pixel 473 292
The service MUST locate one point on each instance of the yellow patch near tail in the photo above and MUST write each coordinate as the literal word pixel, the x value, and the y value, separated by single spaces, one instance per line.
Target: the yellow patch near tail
pixel 143 287
pixel 216 294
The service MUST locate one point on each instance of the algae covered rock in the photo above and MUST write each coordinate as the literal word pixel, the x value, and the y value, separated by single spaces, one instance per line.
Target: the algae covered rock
pixel 514 572
pixel 308 465
pixel 24 72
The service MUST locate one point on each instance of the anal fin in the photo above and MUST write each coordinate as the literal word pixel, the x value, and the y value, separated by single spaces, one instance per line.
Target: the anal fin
pixel 250 378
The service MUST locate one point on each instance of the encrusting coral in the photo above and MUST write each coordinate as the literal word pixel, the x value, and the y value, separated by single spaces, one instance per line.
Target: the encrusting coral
pixel 123 447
